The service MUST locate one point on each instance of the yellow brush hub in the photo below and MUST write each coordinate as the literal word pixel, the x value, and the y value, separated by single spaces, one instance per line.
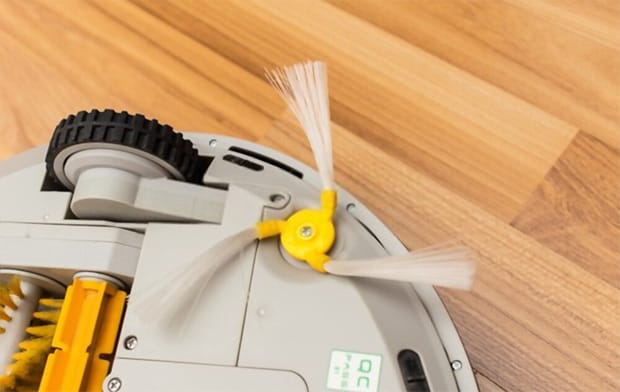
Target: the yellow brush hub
pixel 308 234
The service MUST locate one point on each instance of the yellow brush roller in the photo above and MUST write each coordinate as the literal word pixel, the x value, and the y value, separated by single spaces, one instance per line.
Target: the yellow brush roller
pixel 50 344
pixel 27 325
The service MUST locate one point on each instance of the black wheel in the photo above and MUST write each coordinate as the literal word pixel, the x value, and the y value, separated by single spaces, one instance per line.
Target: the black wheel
pixel 124 132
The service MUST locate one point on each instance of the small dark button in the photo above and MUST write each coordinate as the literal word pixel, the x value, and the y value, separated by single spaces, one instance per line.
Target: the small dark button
pixel 413 372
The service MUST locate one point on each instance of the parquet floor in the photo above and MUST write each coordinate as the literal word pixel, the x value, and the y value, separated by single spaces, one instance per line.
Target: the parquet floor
pixel 494 120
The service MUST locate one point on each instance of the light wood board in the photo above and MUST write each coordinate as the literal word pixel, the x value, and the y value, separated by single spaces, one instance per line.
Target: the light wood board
pixel 494 121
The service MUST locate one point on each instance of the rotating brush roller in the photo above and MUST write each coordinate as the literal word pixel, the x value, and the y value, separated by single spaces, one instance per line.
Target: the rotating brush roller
pixel 52 344
pixel 27 325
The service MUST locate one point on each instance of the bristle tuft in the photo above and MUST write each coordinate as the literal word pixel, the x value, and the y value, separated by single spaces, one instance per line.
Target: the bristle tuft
pixel 448 267
pixel 34 346
pixel 5 298
pixel 303 87
pixel 49 316
pixel 15 287
pixel 4 316
pixel 8 382
pixel 41 330
pixel 51 303
pixel 26 370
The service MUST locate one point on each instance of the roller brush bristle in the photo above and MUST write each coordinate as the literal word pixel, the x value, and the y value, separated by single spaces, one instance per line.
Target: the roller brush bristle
pixel 26 369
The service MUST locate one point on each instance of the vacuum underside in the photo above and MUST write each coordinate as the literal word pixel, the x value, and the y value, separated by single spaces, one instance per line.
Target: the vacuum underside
pixel 118 203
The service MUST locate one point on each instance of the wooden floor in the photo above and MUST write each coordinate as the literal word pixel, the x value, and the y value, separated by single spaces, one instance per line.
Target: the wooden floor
pixel 495 121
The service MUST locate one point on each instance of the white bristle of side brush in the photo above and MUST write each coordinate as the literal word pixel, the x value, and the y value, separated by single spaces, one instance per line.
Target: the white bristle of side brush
pixel 173 298
pixel 303 87
pixel 452 267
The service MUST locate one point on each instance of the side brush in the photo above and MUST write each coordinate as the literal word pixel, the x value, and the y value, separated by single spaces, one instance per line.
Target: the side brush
pixel 309 234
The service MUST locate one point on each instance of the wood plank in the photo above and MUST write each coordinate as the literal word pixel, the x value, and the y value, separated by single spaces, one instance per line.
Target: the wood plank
pixel 563 56
pixel 99 60
pixel 535 321
pixel 460 109
pixel 253 91
pixel 477 140
pixel 27 114
pixel 596 19
pixel 576 210
pixel 486 385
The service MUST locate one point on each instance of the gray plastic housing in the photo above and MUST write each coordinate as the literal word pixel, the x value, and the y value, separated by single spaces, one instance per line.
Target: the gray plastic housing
pixel 264 317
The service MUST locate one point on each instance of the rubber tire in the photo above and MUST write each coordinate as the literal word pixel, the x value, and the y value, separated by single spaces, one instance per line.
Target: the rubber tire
pixel 133 131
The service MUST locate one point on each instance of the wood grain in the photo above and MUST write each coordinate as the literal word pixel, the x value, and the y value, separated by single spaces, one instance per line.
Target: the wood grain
pixel 487 385
pixel 521 45
pixel 375 81
pixel 496 121
pixel 95 60
pixel 576 210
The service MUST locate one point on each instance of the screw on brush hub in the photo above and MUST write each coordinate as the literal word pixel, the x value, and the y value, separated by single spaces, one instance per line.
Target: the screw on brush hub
pixel 308 234
pixel 306 231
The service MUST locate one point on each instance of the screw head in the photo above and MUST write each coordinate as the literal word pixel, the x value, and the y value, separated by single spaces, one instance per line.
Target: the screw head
pixel 131 342
pixel 212 143
pixel 306 231
pixel 456 365
pixel 114 385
